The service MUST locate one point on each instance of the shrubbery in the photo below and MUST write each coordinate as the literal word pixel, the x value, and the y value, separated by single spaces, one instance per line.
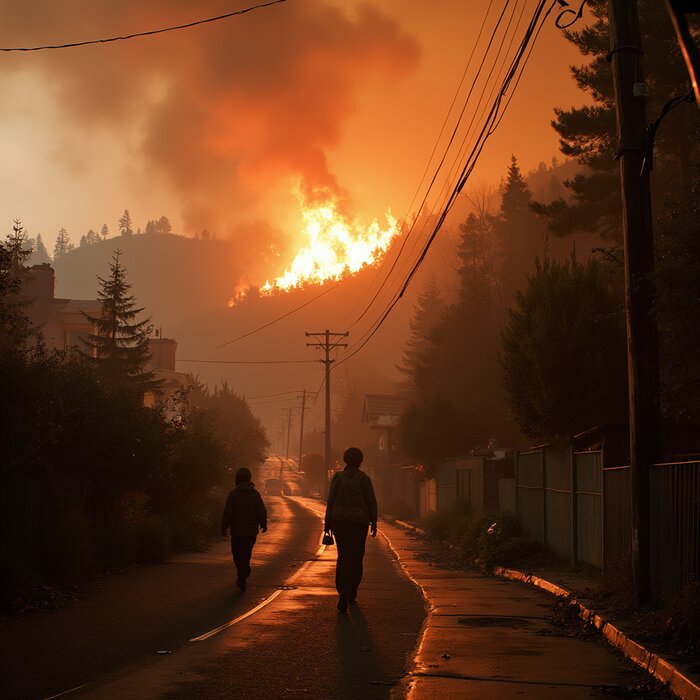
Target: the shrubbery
pixel 92 479
pixel 487 540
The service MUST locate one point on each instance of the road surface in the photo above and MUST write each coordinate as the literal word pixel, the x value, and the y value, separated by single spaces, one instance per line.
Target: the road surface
pixel 295 645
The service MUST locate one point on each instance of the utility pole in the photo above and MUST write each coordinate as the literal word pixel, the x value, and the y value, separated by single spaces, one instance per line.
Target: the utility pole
pixel 640 291
pixel 301 430
pixel 289 428
pixel 327 344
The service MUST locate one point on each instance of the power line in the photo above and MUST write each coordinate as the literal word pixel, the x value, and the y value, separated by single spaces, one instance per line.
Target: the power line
pixel 249 362
pixel 276 320
pixel 447 147
pixel 151 32
pixel 493 120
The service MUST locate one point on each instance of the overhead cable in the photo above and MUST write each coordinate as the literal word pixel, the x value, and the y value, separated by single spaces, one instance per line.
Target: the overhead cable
pixel 136 35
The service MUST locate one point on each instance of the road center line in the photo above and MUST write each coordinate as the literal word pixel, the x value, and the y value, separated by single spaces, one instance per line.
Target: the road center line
pixel 267 601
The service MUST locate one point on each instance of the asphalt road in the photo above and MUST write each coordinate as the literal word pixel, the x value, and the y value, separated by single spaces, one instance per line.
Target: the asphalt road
pixel 296 645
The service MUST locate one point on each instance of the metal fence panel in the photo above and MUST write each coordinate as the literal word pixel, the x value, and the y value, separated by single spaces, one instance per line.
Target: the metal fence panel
pixel 589 507
pixel 506 495
pixel 557 481
pixel 617 517
pixel 529 493
pixel 674 491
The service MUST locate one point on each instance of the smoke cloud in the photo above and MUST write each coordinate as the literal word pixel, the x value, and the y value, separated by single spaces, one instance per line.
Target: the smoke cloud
pixel 223 113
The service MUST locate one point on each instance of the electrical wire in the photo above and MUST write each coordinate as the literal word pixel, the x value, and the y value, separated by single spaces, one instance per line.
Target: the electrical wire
pixel 249 362
pixel 494 118
pixel 279 318
pixel 425 172
pixel 449 144
pixel 135 35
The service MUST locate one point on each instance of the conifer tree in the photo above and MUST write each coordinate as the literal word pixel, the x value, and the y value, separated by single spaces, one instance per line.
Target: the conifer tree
pixel 14 324
pixel 426 315
pixel 587 133
pixel 104 232
pixel 125 224
pixel 63 244
pixel 519 232
pixel 39 253
pixel 119 349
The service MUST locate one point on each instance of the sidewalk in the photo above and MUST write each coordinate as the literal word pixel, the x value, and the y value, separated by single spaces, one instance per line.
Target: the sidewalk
pixel 487 637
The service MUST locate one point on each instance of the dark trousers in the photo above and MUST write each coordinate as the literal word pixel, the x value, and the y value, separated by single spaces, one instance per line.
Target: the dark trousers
pixel 242 549
pixel 350 539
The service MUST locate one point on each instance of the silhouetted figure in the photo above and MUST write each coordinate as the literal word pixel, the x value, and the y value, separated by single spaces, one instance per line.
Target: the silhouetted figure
pixel 244 513
pixel 352 507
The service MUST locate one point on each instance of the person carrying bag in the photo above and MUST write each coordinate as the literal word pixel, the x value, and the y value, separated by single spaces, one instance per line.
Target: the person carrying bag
pixel 351 509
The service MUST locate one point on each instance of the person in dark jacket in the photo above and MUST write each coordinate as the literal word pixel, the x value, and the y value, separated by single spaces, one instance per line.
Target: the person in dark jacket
pixel 351 509
pixel 244 514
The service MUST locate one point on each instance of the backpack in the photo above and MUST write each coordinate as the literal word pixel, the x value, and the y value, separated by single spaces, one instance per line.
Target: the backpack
pixel 349 504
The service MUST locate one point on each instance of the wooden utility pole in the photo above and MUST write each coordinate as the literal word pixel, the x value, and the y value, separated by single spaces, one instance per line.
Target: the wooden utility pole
pixel 327 344
pixel 289 429
pixel 640 291
pixel 301 430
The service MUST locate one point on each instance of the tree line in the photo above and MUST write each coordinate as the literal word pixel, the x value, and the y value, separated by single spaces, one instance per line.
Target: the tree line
pixel 532 345
pixel 93 478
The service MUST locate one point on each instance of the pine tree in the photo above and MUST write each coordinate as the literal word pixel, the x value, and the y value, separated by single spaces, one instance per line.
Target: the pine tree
pixel 14 324
pixel 63 244
pixel 164 226
pixel 563 354
pixel 39 253
pixel 588 133
pixel 119 349
pixel 92 237
pixel 125 224
pixel 104 232
pixel 426 315
pixel 519 232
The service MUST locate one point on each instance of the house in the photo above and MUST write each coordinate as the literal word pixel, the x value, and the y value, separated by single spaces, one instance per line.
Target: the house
pixel 383 412
pixel 63 326
pixel 172 383
pixel 60 321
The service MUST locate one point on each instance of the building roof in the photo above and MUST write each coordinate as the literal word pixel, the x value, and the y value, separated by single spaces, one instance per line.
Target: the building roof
pixel 383 410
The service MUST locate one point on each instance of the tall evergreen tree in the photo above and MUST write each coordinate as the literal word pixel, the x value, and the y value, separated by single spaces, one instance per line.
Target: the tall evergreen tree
pixel 63 244
pixel 564 356
pixel 519 232
pixel 588 133
pixel 164 226
pixel 426 316
pixel 14 324
pixel 125 224
pixel 39 253
pixel 104 232
pixel 119 349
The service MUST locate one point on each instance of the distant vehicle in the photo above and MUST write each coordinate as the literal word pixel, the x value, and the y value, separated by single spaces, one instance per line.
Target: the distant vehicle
pixel 274 487
pixel 281 476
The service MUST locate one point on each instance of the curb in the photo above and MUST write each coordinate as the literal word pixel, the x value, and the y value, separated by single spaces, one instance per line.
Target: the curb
pixel 662 670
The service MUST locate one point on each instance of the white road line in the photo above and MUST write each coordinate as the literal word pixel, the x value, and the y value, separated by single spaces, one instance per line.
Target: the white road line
pixel 267 601
pixel 67 692
pixel 236 620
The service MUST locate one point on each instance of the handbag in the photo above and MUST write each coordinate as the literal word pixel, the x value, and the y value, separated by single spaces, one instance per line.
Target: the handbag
pixel 327 539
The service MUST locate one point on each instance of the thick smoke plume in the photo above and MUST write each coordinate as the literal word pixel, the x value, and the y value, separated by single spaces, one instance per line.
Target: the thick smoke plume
pixel 227 113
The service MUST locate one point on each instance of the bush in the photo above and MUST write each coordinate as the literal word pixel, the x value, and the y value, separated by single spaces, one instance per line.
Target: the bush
pixel 436 525
pixel 64 552
pixel 152 540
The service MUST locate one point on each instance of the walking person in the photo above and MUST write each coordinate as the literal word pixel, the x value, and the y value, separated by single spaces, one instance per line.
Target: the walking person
pixel 244 514
pixel 351 509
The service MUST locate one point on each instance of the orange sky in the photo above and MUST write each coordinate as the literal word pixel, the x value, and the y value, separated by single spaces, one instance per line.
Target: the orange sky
pixel 214 126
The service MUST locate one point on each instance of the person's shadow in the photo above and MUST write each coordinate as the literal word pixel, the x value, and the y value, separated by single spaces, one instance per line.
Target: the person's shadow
pixel 358 664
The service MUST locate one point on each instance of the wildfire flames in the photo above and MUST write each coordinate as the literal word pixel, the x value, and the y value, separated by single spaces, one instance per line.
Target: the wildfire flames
pixel 334 247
